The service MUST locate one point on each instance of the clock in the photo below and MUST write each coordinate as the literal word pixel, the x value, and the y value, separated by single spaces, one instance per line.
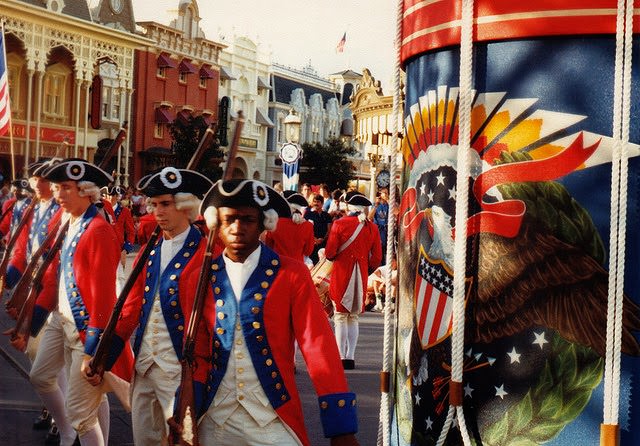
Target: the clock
pixel 116 6
pixel 383 178
pixel 290 153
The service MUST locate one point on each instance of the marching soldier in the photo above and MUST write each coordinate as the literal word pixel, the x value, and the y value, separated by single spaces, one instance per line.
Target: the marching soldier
pixel 293 236
pixel 261 304
pixel 79 292
pixel 160 302
pixel 354 247
pixel 22 197
pixel 123 223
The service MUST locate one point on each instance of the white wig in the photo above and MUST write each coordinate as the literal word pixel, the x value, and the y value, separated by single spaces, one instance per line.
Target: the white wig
pixel 89 189
pixel 185 201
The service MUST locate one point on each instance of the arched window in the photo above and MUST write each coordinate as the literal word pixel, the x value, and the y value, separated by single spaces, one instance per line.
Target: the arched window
pixel 54 104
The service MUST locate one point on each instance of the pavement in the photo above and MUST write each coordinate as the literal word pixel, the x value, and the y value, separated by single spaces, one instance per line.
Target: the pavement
pixel 19 404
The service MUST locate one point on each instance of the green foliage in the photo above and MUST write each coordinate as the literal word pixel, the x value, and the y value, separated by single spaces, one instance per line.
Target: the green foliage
pixel 551 206
pixel 327 163
pixel 186 134
pixel 561 393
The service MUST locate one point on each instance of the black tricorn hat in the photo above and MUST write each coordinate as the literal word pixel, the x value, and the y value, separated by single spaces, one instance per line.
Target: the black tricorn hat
pixel 172 180
pixel 22 183
pixel 77 169
pixel 43 165
pixel 295 198
pixel 355 198
pixel 112 190
pixel 36 167
pixel 245 193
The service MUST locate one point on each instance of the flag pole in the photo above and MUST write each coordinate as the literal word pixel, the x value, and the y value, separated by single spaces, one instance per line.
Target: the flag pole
pixel 4 57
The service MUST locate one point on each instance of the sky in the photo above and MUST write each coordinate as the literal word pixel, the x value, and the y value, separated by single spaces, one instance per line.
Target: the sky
pixel 299 32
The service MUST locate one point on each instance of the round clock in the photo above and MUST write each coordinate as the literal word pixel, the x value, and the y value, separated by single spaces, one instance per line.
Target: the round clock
pixel 116 6
pixel 290 153
pixel 383 178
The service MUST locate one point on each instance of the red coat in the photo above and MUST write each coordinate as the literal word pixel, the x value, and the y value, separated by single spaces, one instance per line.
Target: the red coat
pixel 279 306
pixel 366 250
pixel 124 226
pixel 147 224
pixel 291 239
pixel 5 224
pixel 94 269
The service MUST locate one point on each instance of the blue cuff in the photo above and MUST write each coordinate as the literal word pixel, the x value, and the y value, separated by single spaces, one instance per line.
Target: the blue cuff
pixel 338 414
pixel 116 347
pixel 40 315
pixel 91 340
pixel 127 247
pixel 13 276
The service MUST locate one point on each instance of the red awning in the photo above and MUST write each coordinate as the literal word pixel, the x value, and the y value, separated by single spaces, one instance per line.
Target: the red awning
pixel 207 72
pixel 187 67
pixel 164 116
pixel 165 61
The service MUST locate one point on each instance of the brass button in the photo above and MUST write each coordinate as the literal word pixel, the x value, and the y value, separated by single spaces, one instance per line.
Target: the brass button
pixel 74 294
pixel 180 328
pixel 283 397
pixel 324 405
pixel 144 301
pixel 174 303
pixel 220 302
pixel 155 321
pixel 353 402
pixel 153 251
pixel 173 277
pixel 239 356
pixel 191 244
pixel 274 374
pixel 238 341
pixel 256 325
pixel 240 397
pixel 341 403
pixel 274 262
pixel 176 316
pixel 260 338
pixel 264 284
pixel 149 263
pixel 215 267
pixel 213 279
pixel 220 330
pixel 81 313
pixel 240 370
pixel 217 344
pixel 172 291
pixel 265 351
pixel 257 296
pixel 269 272
pixel 186 255
pixel 146 288
pixel 216 290
pixel 238 326
pixel 269 362
pixel 278 386
pixel 255 310
pixel 241 385
pixel 177 265
pixel 220 315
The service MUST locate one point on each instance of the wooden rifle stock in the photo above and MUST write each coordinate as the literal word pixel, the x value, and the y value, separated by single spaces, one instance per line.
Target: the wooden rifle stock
pixel 26 216
pixel 101 354
pixel 21 290
pixel 186 416
pixel 23 324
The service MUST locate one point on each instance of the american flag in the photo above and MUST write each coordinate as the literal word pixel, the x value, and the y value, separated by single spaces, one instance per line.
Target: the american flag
pixel 5 111
pixel 433 301
pixel 341 43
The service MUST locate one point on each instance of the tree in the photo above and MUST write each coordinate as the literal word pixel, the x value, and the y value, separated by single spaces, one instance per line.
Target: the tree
pixel 327 163
pixel 186 134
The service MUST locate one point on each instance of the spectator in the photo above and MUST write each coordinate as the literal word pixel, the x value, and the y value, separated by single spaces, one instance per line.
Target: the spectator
pixel 321 224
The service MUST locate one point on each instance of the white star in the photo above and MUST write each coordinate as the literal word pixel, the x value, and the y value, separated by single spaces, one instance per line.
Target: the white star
pixel 417 399
pixel 540 339
pixel 429 423
pixel 440 179
pixel 422 188
pixel 468 390
pixel 514 356
pixel 491 360
pixel 452 193
pixel 469 353
pixel 478 356
pixel 500 391
pixel 454 424
pixel 430 195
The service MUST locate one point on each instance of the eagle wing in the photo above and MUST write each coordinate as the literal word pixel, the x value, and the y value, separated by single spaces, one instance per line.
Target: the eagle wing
pixel 535 279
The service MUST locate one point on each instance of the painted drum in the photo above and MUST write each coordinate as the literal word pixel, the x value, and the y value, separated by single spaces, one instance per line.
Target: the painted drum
pixel 538 225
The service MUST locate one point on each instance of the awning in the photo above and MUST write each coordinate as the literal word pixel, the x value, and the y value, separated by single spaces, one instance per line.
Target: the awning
pixel 263 119
pixel 206 72
pixel 225 73
pixel 187 67
pixel 263 83
pixel 165 61
pixel 164 116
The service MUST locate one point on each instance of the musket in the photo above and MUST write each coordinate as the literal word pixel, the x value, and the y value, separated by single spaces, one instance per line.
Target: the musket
pixel 97 364
pixel 186 416
pixel 25 317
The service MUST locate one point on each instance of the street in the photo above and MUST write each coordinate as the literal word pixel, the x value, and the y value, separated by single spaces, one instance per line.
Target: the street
pixel 19 404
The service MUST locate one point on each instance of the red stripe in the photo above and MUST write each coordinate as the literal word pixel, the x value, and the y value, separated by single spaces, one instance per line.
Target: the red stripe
pixel 425 306
pixel 437 320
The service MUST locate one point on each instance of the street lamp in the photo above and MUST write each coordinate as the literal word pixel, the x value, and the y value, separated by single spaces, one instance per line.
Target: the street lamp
pixel 291 152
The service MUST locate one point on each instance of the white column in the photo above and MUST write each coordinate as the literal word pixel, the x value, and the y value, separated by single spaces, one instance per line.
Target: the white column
pixel 27 138
pixel 86 85
pixel 77 126
pixel 39 112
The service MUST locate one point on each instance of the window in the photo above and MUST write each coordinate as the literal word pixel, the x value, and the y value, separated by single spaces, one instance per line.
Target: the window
pixel 203 82
pixel 280 129
pixel 161 72
pixel 182 77
pixel 158 130
pixel 55 80
pixel 14 67
pixel 111 94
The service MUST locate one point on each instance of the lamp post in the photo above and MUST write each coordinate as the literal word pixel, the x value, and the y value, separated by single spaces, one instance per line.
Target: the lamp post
pixel 291 152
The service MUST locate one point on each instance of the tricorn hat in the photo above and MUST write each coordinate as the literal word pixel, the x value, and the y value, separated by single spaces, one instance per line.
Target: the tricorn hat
pixel 295 198
pixel 22 183
pixel 245 193
pixel 77 169
pixel 36 167
pixel 355 198
pixel 43 165
pixel 172 180
pixel 112 190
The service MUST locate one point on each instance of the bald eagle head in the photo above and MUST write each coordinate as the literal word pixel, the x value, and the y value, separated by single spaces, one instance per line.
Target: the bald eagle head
pixel 439 223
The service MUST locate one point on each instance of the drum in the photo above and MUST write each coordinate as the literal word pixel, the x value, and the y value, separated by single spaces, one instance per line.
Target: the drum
pixel 321 275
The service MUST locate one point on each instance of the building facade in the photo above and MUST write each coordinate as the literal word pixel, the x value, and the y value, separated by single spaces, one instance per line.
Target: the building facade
pixel 70 79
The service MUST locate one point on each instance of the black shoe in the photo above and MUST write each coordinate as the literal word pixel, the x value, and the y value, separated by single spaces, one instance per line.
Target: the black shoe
pixel 43 421
pixel 348 364
pixel 53 436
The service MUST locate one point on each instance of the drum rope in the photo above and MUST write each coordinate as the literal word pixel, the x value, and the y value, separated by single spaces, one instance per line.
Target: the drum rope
pixel 618 217
pixel 384 425
pixel 462 210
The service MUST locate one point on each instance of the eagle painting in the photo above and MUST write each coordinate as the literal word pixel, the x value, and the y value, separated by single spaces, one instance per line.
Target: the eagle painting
pixel 536 297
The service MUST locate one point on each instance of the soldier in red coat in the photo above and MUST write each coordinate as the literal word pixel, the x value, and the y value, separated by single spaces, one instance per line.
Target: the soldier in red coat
pixel 123 224
pixel 354 247
pixel 79 293
pixel 159 305
pixel 293 236
pixel 262 303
